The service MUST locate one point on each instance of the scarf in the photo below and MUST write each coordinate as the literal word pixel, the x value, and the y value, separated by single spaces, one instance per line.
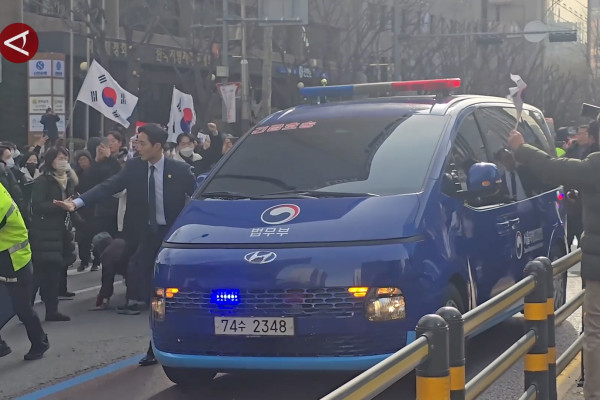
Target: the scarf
pixel 63 179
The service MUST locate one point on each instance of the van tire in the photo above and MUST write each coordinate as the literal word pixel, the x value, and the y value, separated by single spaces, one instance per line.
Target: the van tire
pixel 187 377
pixel 453 298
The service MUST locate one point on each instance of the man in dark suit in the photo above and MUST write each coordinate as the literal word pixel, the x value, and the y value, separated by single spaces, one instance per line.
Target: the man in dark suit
pixel 157 190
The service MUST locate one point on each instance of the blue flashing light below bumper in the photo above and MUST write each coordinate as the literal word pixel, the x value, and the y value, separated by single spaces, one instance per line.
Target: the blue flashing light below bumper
pixel 219 363
pixel 317 91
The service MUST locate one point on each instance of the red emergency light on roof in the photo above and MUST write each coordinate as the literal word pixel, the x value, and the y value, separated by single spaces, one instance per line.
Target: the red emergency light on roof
pixel 429 85
pixel 378 87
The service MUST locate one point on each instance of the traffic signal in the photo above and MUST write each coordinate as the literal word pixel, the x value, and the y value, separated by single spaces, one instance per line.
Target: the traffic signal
pixel 566 36
pixel 489 39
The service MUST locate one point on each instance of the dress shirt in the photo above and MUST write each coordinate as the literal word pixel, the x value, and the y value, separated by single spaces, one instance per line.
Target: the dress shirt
pixel 159 182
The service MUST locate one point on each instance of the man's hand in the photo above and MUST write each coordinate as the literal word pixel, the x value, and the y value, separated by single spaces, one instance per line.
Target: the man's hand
pixel 67 205
pixel 515 140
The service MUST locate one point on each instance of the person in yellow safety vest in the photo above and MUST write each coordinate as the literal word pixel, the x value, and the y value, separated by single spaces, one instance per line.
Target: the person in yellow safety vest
pixel 16 276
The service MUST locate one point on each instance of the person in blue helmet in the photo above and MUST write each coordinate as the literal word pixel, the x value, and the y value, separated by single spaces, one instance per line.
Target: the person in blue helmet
pixel 484 184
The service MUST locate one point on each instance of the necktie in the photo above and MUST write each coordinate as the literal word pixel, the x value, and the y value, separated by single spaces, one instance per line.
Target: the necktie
pixel 513 182
pixel 152 201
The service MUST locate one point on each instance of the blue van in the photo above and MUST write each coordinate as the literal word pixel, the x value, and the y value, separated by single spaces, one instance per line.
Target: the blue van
pixel 328 230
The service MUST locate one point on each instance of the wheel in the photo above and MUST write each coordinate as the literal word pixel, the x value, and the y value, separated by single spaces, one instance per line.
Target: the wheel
pixel 189 376
pixel 453 298
pixel 560 281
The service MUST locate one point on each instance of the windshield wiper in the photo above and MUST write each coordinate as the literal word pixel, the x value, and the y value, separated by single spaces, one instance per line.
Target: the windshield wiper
pixel 315 194
pixel 225 195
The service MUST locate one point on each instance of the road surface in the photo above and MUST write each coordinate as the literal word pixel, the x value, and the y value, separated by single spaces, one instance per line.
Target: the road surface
pixel 95 355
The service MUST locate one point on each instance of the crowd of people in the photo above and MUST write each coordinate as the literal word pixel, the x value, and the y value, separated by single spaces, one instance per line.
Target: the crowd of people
pixel 104 178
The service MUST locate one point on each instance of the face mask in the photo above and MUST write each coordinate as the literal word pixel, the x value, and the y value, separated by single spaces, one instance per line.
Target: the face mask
pixel 31 165
pixel 10 163
pixel 187 151
pixel 16 154
pixel 61 166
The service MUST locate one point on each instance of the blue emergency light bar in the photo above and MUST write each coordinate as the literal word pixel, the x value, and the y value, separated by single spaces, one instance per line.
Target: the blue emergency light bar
pixel 225 297
pixel 373 88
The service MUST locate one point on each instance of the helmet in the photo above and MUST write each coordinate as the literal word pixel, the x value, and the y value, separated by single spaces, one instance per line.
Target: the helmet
pixel 483 176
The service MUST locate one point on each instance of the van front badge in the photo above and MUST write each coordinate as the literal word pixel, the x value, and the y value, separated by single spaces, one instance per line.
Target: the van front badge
pixel 260 257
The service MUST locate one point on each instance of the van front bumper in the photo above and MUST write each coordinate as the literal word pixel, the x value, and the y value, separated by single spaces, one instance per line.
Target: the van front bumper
pixel 226 363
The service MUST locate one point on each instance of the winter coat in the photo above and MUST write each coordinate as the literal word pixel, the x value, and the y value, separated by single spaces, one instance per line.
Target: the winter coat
pixel 50 230
pixel 583 175
pixel 98 173
pixel 198 163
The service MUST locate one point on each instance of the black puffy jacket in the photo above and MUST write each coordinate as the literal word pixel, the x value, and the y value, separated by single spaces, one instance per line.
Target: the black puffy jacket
pixel 50 230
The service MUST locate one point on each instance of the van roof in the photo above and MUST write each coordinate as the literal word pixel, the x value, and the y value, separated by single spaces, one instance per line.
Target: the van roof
pixel 373 106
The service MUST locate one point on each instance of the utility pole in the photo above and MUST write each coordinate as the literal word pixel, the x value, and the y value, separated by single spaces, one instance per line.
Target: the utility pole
pixel 245 77
pixel 543 57
pixel 87 63
pixel 71 73
pixel 397 32
pixel 225 54
pixel 267 71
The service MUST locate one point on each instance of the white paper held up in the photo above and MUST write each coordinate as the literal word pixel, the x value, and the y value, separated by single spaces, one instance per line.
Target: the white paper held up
pixel 515 95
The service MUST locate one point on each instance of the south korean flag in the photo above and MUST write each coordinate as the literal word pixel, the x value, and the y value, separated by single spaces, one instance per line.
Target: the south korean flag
pixel 102 92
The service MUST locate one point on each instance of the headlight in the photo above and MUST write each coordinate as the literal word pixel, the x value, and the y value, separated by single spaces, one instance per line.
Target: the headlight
pixel 385 304
pixel 158 305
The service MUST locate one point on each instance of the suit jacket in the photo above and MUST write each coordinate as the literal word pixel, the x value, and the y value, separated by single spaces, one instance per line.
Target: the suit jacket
pixel 529 183
pixel 179 184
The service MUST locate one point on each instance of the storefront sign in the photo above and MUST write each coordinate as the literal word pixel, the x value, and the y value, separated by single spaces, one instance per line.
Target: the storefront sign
pixel 58 68
pixel 39 104
pixel 58 104
pixel 39 68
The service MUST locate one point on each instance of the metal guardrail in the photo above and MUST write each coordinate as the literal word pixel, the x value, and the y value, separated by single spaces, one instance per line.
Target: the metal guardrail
pixel 438 352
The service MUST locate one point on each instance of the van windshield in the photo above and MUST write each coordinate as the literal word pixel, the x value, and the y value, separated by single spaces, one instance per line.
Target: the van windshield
pixel 382 155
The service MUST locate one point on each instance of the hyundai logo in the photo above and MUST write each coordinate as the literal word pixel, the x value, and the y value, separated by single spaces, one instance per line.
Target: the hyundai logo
pixel 260 257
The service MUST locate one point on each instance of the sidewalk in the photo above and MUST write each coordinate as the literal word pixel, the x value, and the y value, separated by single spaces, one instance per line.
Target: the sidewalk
pixel 566 383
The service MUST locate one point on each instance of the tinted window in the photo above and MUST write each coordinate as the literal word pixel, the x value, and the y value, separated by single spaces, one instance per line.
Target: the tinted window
pixel 468 143
pixel 533 132
pixel 496 124
pixel 467 149
pixel 381 155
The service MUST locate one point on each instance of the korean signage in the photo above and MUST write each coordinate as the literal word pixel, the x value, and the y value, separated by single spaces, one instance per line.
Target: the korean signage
pixel 162 55
pixel 46 87
pixel 34 123
pixel 39 104
pixel 58 68
pixel 303 72
pixel 36 126
pixel 39 68
pixel 58 104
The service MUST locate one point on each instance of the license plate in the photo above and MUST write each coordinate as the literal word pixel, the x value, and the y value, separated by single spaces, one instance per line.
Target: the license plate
pixel 254 326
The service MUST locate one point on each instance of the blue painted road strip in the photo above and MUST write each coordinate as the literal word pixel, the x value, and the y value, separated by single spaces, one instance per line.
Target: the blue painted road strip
pixel 59 387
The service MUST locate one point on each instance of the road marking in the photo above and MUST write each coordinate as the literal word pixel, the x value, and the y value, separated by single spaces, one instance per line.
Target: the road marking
pixel 59 387
pixel 568 378
pixel 85 290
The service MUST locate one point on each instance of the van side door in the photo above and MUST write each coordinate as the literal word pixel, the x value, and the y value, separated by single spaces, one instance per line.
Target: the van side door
pixel 483 237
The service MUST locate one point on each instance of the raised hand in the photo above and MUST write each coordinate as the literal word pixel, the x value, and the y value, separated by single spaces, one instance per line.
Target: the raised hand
pixel 515 140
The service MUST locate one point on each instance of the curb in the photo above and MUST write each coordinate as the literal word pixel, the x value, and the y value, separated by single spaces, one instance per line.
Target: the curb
pixel 567 380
